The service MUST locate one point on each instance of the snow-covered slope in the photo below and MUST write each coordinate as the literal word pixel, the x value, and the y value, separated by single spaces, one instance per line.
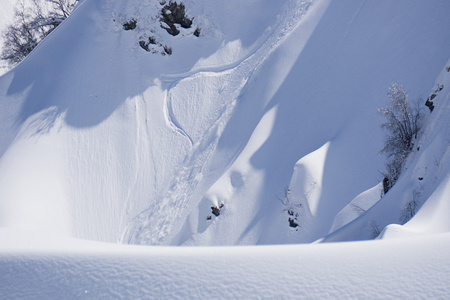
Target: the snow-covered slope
pixel 269 114
pixel 115 143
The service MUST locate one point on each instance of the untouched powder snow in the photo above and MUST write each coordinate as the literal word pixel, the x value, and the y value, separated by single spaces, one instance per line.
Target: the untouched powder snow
pixel 262 130
pixel 41 268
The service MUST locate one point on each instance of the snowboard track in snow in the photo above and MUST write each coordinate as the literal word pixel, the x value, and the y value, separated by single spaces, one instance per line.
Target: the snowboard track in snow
pixel 154 225
pixel 171 119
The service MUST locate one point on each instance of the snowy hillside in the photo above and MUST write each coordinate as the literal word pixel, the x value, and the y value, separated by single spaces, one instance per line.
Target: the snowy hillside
pixel 242 123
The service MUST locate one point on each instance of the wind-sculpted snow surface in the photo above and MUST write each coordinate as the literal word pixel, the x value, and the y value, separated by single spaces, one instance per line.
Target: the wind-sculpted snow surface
pixel 62 268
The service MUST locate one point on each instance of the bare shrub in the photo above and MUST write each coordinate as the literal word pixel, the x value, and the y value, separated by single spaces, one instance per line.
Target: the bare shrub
pixel 374 229
pixel 401 126
pixel 411 208
pixel 290 208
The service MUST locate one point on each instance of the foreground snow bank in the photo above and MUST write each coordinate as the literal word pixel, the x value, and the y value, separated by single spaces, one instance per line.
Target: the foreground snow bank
pixel 45 267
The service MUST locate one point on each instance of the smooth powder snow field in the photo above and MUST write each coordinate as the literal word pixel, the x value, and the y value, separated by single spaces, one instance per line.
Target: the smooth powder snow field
pixel 243 163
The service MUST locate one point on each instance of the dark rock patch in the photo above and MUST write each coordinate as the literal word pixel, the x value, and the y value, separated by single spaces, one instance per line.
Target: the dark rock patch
pixel 197 32
pixel 216 209
pixel 130 25
pixel 174 13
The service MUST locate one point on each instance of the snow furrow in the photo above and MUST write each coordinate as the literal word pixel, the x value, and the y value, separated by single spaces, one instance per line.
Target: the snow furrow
pixel 171 119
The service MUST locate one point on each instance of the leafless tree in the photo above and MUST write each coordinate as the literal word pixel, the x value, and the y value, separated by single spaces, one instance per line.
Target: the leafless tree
pixel 401 126
pixel 33 21
pixel 402 123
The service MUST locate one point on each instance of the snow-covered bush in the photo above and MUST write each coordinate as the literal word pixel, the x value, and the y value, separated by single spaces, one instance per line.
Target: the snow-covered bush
pixel 402 126
pixel 32 23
